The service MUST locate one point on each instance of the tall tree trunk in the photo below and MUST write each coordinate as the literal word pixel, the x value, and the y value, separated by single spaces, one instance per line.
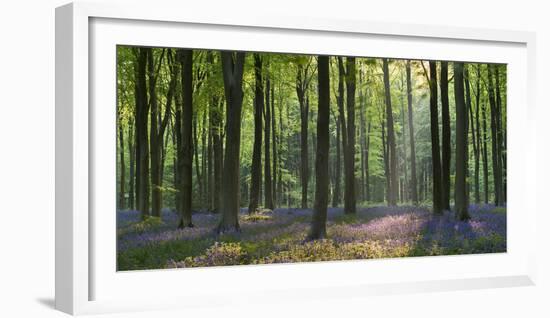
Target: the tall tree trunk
pixel 256 172
pixel 155 143
pixel 392 153
pixel 122 181
pixel 461 185
pixel 232 67
pixel 178 178
pixel 131 176
pixel 434 128
pixel 210 157
pixel 195 156
pixel 367 174
pixel 318 226
pixel 349 177
pixel 186 163
pixel 385 155
pixel 471 123
pixel 303 100
pixel 413 184
pixel 495 140
pixel 501 140
pixel 268 186
pixel 405 189
pixel 274 145
pixel 204 202
pixel 446 137
pixel 362 136
pixel 337 167
pixel 485 155
pixel 342 119
pixel 476 134
pixel 142 143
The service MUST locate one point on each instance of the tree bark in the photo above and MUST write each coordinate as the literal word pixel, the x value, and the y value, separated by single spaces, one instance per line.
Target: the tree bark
pixel 142 144
pixel 337 166
pixel 391 150
pixel 256 172
pixel 268 185
pixel 495 140
pixel 446 138
pixel 349 177
pixel 186 163
pixel 471 128
pixel 303 100
pixel 461 185
pixel 434 128
pixel 501 138
pixel 155 142
pixel 485 154
pixel 274 145
pixel 122 181
pixel 232 67
pixel 131 176
pixel 413 184
pixel 318 227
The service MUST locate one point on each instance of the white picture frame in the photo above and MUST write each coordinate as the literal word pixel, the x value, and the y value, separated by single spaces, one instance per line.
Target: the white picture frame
pixel 85 280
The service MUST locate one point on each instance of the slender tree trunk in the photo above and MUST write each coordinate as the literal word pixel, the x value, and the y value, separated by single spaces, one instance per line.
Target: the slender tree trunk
pixel 471 123
pixel 204 202
pixel 122 181
pixel 362 136
pixel 485 155
pixel 210 151
pixel 367 174
pixel 301 90
pixel 392 153
pixel 232 67
pixel 405 189
pixel 318 227
pixel 268 186
pixel 495 142
pixel 349 194
pixel 195 156
pixel 338 166
pixel 501 141
pixel 413 184
pixel 142 144
pixel 476 136
pixel 256 172
pixel 274 145
pixel 155 143
pixel 461 185
pixel 178 179
pixel 342 119
pixel 132 150
pixel 434 128
pixel 446 138
pixel 186 59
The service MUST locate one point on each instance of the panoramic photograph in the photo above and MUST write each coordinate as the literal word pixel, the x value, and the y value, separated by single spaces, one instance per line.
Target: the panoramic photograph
pixel 247 158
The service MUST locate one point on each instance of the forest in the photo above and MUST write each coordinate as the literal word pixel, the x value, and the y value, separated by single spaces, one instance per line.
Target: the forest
pixel 233 158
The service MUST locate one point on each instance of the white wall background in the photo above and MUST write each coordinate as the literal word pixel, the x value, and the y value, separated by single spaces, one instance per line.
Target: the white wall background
pixel 27 158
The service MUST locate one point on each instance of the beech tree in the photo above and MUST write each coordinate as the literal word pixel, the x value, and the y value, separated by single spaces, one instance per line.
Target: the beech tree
pixel 461 185
pixel 318 227
pixel 233 66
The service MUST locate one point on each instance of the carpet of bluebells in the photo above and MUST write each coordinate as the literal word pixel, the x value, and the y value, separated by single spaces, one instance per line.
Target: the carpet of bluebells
pixel 279 236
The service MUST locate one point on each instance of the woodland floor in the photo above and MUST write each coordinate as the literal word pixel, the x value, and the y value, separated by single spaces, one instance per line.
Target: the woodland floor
pixel 279 237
